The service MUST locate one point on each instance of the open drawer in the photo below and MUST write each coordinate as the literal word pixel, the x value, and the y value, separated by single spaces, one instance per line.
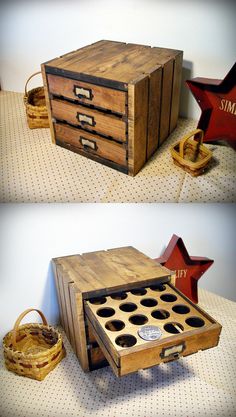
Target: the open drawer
pixel 143 327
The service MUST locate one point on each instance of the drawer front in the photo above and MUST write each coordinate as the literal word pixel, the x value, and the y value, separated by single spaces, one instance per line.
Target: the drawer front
pixel 91 143
pixel 88 119
pixel 87 93
pixel 184 328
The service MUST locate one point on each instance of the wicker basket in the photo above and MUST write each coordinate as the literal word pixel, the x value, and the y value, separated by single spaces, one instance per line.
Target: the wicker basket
pixel 33 349
pixel 36 110
pixel 191 154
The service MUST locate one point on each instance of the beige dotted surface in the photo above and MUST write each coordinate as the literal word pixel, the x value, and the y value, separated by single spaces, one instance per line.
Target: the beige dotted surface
pixel 32 169
pixel 199 385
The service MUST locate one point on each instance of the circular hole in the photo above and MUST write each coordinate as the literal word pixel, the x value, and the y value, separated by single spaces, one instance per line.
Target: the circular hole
pixel 98 300
pixel 126 340
pixel 169 298
pixel 148 302
pixel 119 296
pixel 173 328
pixel 181 309
pixel 115 325
pixel 106 312
pixel 195 322
pixel 160 314
pixel 158 287
pixel 127 307
pixel 138 319
pixel 138 291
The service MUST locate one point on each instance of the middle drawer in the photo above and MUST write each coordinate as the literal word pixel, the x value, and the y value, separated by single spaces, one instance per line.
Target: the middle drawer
pixel 89 119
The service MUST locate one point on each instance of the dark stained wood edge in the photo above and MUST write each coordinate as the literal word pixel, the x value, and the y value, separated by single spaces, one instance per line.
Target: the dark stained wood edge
pixel 95 158
pixel 54 267
pixel 154 103
pixel 176 91
pixel 48 102
pixel 116 85
pixel 166 100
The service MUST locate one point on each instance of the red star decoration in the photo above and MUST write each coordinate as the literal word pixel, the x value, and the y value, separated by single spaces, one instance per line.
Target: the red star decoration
pixel 188 268
pixel 217 100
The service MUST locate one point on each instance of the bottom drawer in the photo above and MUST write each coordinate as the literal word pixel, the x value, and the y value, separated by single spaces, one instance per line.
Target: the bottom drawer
pixel 91 144
pixel 121 327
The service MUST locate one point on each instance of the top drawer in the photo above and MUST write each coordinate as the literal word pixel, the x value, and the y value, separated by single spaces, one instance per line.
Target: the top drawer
pixel 143 327
pixel 86 93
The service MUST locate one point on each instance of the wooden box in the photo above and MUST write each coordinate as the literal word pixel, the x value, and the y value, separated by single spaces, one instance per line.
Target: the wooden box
pixel 107 297
pixel 113 102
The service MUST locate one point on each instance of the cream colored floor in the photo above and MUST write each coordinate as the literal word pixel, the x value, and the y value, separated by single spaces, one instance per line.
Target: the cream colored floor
pixel 35 170
pixel 200 385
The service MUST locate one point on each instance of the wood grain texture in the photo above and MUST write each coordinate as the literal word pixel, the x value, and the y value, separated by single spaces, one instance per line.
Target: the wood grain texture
pixel 167 80
pixel 102 97
pixel 154 111
pixel 104 148
pixel 48 103
pixel 176 91
pixel 58 294
pixel 104 123
pixel 137 124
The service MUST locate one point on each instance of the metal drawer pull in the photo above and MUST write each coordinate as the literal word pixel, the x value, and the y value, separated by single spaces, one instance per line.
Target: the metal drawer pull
pixel 172 351
pixel 81 92
pixel 86 120
pixel 86 143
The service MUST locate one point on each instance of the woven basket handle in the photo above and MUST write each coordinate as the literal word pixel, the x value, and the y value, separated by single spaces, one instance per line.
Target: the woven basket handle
pixel 187 137
pixel 26 84
pixel 15 329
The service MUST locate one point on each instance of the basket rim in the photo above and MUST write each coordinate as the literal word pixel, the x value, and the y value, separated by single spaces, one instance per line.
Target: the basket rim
pixel 12 351
pixel 31 106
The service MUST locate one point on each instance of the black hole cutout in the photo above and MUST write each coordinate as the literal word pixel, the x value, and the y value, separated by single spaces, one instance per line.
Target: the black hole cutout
pixel 106 312
pixel 138 319
pixel 98 300
pixel 119 296
pixel 148 302
pixel 115 325
pixel 181 309
pixel 195 322
pixel 160 314
pixel 127 307
pixel 126 340
pixel 169 298
pixel 139 291
pixel 173 328
pixel 158 287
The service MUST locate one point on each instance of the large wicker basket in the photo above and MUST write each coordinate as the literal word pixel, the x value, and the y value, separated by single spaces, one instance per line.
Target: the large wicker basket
pixel 36 110
pixel 191 154
pixel 33 349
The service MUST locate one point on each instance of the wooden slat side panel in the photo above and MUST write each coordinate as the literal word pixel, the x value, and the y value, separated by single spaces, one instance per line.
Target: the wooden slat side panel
pixel 146 358
pixel 137 124
pixel 58 294
pixel 103 123
pixel 48 104
pixel 155 79
pixel 103 97
pixel 66 284
pixel 167 80
pixel 176 91
pixel 79 326
pixel 99 146
pixel 60 275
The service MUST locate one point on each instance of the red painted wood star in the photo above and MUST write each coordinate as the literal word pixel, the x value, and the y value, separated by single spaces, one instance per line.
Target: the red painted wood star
pixel 217 100
pixel 188 268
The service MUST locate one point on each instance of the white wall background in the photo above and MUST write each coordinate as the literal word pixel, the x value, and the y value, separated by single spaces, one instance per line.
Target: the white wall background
pixel 33 234
pixel 32 32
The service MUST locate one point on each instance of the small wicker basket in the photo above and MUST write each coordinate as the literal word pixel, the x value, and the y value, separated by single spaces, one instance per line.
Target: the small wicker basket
pixel 191 154
pixel 33 349
pixel 35 103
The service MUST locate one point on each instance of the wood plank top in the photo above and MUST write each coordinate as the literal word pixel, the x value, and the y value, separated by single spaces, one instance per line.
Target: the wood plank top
pixel 119 61
pixel 99 273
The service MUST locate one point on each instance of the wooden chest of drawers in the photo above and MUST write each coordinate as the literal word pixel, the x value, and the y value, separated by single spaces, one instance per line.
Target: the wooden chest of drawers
pixel 108 301
pixel 113 102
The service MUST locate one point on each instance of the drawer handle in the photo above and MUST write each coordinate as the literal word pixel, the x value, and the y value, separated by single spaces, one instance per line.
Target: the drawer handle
pixel 81 92
pixel 88 144
pixel 86 120
pixel 172 352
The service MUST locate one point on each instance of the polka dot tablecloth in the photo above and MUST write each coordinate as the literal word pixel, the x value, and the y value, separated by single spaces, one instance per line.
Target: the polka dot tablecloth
pixel 199 385
pixel 34 170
